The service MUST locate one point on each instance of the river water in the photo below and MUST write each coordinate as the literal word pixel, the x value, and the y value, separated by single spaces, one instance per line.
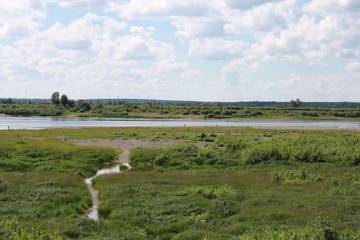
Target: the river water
pixel 56 122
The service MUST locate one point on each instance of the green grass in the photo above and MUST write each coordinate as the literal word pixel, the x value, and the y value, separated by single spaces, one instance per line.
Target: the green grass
pixel 42 184
pixel 223 204
pixel 244 184
pixel 250 148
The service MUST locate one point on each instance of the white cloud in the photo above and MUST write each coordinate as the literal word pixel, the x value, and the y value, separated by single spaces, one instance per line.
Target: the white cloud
pixel 316 88
pixel 129 56
pixel 308 40
pixel 216 48
pixel 92 55
pixel 337 26
pixel 247 4
pixel 309 88
pixel 266 17
pixel 169 66
pixel 18 18
pixel 237 72
pixel 342 9
pixel 81 3
pixel 321 8
pixel 159 9
pixel 353 66
pixel 352 5
pixel 198 27
pixel 200 18
pixel 137 46
pixel 17 28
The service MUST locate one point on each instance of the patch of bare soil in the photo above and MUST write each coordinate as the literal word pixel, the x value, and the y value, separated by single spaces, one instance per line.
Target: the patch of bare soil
pixel 126 145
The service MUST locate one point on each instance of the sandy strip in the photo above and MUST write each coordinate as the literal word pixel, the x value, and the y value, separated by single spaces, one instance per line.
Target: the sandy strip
pixel 305 128
pixel 126 145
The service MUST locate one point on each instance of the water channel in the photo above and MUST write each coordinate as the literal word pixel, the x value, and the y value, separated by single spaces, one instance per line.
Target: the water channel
pixel 56 122
pixel 94 214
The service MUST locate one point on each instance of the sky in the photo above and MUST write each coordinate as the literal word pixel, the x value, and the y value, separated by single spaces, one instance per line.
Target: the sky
pixel 203 50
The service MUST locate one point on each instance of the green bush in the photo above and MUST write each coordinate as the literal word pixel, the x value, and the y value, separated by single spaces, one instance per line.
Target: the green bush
pixel 298 176
pixel 262 153
pixel 12 230
pixel 210 192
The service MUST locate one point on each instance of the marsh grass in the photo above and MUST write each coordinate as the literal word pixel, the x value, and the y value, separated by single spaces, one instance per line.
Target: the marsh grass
pixel 222 191
pixel 250 148
pixel 42 183
pixel 298 176
pixel 180 204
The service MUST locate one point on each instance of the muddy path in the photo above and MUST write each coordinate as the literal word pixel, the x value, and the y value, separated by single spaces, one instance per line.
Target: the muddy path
pixel 126 146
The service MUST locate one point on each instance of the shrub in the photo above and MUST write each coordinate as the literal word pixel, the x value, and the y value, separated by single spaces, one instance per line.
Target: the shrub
pixel 210 192
pixel 262 153
pixel 298 176
pixel 12 230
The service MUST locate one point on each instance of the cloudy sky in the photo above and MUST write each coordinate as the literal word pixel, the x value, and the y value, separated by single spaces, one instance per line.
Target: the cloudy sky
pixel 210 50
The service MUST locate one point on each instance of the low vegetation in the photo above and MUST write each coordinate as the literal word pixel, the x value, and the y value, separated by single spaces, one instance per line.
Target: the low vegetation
pixel 84 108
pixel 235 151
pixel 241 204
pixel 298 176
pixel 238 183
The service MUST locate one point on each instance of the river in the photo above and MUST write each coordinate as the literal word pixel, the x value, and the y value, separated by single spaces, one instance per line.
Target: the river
pixel 61 122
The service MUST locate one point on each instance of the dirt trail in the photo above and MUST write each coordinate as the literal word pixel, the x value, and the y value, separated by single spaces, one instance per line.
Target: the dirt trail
pixel 126 145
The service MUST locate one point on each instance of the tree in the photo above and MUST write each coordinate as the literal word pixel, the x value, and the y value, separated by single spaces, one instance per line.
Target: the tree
pixel 83 106
pixel 8 101
pixel 55 98
pixel 71 103
pixel 98 107
pixel 64 100
pixel 296 103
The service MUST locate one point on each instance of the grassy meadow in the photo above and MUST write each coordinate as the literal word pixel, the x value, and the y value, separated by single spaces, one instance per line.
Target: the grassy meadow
pixel 244 183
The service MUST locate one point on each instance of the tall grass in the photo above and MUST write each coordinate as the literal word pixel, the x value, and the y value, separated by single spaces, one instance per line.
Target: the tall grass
pixel 237 151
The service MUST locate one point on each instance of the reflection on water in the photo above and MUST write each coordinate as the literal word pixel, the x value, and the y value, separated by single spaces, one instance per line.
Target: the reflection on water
pixel 115 169
pixel 49 122
pixel 94 213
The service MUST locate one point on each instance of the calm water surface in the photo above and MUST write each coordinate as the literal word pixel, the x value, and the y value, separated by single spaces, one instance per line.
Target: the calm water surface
pixel 51 122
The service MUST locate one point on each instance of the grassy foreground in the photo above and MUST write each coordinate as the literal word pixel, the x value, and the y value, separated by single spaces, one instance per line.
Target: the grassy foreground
pixel 244 184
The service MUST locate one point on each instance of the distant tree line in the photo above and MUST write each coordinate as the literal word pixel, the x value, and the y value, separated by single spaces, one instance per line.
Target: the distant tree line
pixel 63 100
pixel 61 105
pixel 69 104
